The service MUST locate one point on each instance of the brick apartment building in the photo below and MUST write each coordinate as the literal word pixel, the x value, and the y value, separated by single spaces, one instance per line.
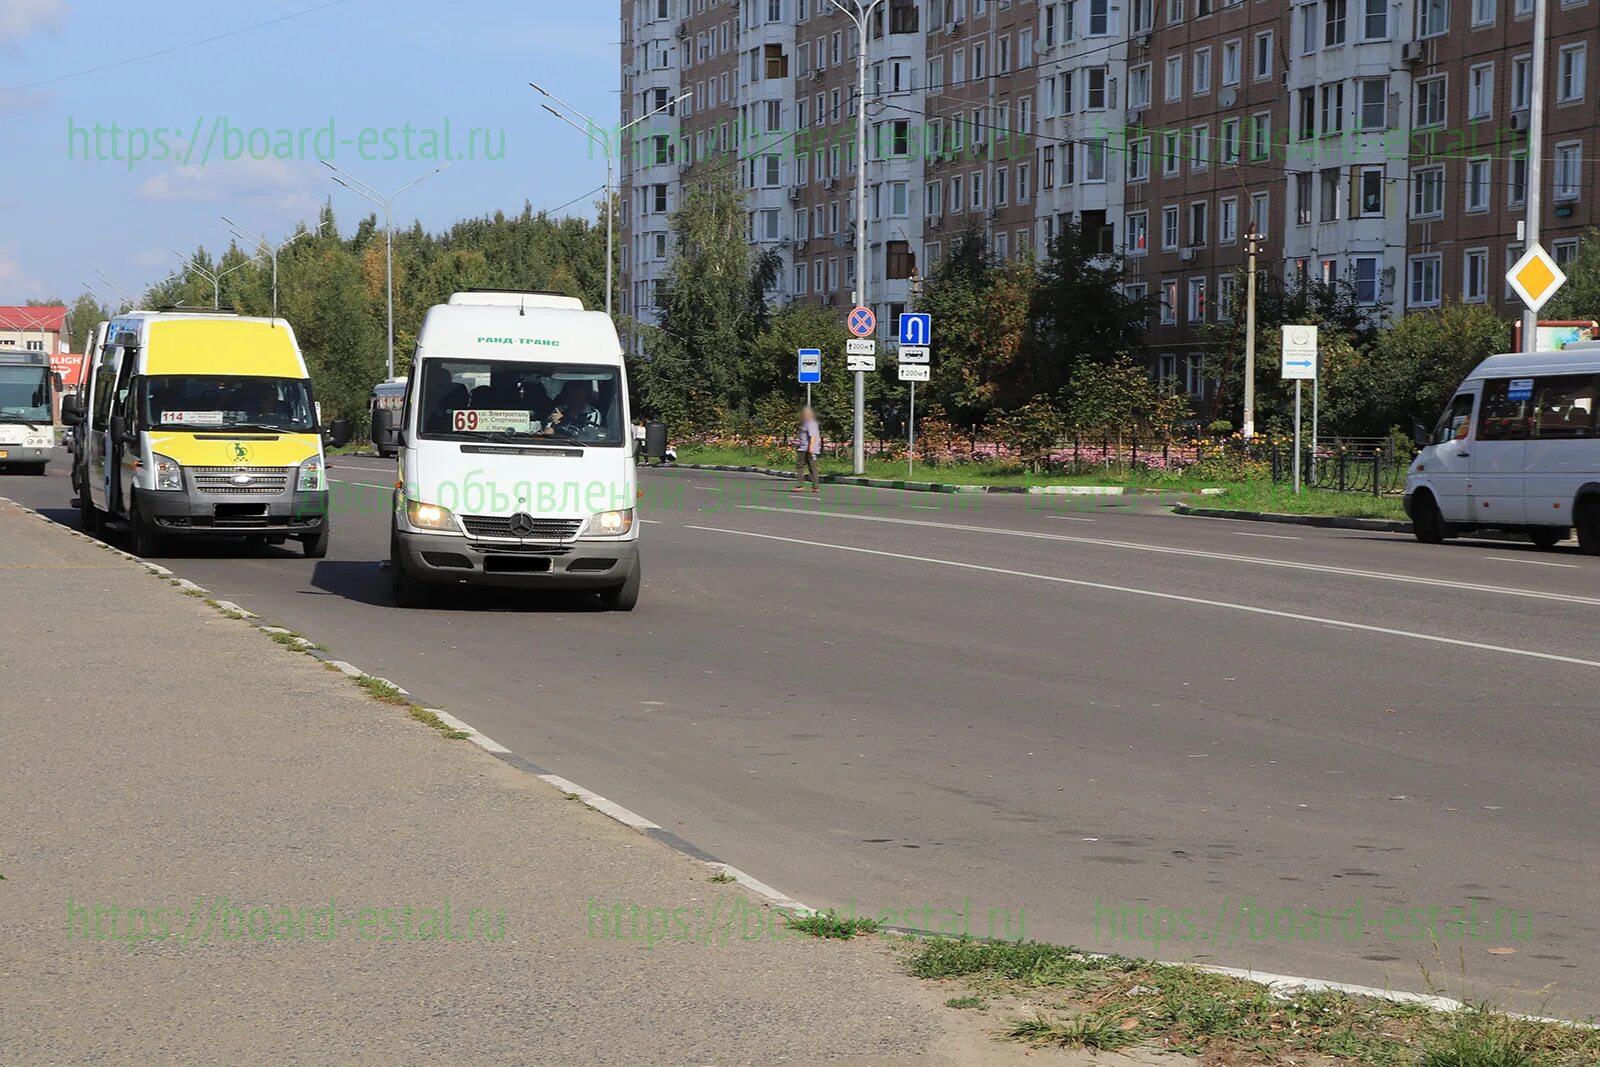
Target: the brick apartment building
pixel 1381 142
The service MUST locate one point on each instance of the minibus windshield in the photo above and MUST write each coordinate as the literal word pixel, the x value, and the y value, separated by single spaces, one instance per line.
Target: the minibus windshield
pixel 509 400
pixel 208 402
pixel 25 394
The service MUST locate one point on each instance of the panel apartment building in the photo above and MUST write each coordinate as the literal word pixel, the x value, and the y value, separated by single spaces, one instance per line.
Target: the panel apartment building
pixel 1380 142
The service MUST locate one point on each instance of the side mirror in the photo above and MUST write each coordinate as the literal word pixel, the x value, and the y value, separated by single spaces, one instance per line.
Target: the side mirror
pixel 340 432
pixel 72 411
pixel 119 430
pixel 1420 434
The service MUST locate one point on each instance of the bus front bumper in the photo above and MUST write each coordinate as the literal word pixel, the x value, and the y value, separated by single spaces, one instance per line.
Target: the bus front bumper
pixel 449 559
pixel 200 514
pixel 30 457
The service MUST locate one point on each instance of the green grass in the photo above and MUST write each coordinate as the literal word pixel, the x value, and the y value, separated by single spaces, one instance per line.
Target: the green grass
pixel 722 878
pixel 830 925
pixel 1105 1003
pixel 1254 495
pixel 965 1002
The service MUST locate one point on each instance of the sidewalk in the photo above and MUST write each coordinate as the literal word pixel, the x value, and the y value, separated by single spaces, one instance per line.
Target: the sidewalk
pixel 176 765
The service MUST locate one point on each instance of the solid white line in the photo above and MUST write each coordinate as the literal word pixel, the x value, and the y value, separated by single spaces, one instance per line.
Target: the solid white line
pixel 1274 537
pixel 369 485
pixel 1069 518
pixel 1201 601
pixel 1259 561
pixel 1533 562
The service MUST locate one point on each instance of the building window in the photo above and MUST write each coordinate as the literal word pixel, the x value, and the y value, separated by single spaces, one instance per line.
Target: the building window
pixel 1372 102
pixel 1172 84
pixel 1366 271
pixel 1197 300
pixel 1094 160
pixel 1171 152
pixel 1480 91
pixel 1169 227
pixel 1260 207
pixel 1521 82
pixel 1478 178
pixel 1302 199
pixel 1423 290
pixel 1199 148
pixel 1331 202
pixel 1427 193
pixel 1429 94
pixel 1230 141
pixel 1369 194
pixel 1475 275
pixel 1139 159
pixel 1374 20
pixel 1568 170
pixel 1433 17
pixel 1517 183
pixel 1199 222
pixel 1226 286
pixel 1261 135
pixel 1202 71
pixel 1228 220
pixel 1570 73
pixel 1263 56
pixel 1136 227
pixel 1333 108
pixel 1483 12
pixel 1169 303
pixel 1333 22
pixel 1139 87
pixel 1564 251
pixel 1231 63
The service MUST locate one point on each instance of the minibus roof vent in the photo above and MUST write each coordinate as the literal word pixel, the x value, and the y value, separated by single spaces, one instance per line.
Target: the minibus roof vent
pixel 521 299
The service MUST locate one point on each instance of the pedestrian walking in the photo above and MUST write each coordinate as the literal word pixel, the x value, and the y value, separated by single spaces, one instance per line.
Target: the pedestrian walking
pixel 807 444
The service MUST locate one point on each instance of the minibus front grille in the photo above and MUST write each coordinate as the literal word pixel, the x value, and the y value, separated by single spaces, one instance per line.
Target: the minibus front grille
pixel 529 530
pixel 263 481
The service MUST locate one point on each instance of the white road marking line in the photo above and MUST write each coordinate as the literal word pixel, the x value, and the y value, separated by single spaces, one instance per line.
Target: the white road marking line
pixel 1069 518
pixel 925 507
pixel 653 522
pixel 1260 561
pixel 369 485
pixel 1533 562
pixel 1154 594
pixel 1275 537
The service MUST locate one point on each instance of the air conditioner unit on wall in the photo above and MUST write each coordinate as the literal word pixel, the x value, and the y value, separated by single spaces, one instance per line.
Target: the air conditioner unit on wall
pixel 1411 52
pixel 1186 255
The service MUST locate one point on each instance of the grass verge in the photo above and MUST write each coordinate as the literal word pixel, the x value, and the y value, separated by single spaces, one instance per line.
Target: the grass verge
pixel 1257 495
pixel 829 925
pixel 1070 999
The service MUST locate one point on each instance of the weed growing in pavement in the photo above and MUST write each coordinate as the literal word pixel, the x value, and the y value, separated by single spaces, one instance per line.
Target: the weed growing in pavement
pixel 830 925
pixel 379 689
pixel 722 878
pixel 1108 1002
pixel 428 718
pixel 965 1002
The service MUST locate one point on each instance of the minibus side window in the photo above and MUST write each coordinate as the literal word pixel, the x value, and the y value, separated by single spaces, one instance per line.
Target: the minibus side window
pixel 1504 419
pixel 1565 406
pixel 1453 424
pixel 104 386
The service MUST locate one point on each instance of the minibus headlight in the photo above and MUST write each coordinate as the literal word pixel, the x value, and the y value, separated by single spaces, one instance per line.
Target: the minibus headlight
pixel 430 517
pixel 610 523
pixel 168 474
pixel 312 477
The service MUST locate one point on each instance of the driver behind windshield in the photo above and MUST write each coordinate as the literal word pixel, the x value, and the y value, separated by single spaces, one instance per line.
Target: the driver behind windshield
pixel 575 408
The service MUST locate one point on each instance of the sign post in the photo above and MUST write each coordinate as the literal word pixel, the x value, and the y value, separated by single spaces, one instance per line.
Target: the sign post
pixel 810 369
pixel 1299 365
pixel 916 334
pixel 862 321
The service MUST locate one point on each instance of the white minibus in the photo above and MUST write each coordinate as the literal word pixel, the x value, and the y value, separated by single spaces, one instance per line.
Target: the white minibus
pixel 1517 449
pixel 516 463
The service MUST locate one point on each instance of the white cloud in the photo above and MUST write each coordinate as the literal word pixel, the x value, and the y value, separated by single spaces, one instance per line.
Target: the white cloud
pixel 18 18
pixel 268 181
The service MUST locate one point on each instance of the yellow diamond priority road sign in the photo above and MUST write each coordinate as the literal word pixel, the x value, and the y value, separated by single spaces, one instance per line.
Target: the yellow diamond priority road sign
pixel 1535 277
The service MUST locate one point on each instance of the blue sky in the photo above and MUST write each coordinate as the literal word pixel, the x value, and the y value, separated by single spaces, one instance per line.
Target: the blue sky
pixel 359 64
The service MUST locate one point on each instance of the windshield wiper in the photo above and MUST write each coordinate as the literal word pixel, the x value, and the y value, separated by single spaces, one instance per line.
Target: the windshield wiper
pixel 19 420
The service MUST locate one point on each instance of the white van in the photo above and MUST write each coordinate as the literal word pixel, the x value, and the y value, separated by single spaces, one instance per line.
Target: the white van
pixel 515 454
pixel 1517 449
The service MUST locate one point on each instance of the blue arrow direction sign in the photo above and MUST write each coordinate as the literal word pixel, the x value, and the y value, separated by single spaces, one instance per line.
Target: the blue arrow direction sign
pixel 1297 363
pixel 916 330
pixel 811 366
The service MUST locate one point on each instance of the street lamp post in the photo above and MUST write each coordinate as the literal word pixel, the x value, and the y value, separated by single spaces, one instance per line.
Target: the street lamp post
pixel 272 249
pixel 1535 194
pixel 862 17
pixel 382 201
pixel 592 130
pixel 127 298
pixel 214 278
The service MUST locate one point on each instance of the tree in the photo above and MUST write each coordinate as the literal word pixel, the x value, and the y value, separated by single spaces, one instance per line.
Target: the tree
pixel 713 301
pixel 1080 314
pixel 963 295
pixel 1580 297
pixel 85 314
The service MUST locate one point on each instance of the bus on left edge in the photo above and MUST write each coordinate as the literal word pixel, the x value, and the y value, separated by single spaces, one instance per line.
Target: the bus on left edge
pixel 27 411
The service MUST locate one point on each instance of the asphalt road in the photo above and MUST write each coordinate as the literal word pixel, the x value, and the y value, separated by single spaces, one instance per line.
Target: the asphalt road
pixel 918 702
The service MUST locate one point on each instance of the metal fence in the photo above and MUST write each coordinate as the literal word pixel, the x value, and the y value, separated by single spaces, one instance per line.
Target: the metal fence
pixel 1373 465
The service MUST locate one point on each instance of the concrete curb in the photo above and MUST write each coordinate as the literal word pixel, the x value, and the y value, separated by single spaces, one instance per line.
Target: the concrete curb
pixel 1334 522
pixel 1279 984
pixel 933 487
